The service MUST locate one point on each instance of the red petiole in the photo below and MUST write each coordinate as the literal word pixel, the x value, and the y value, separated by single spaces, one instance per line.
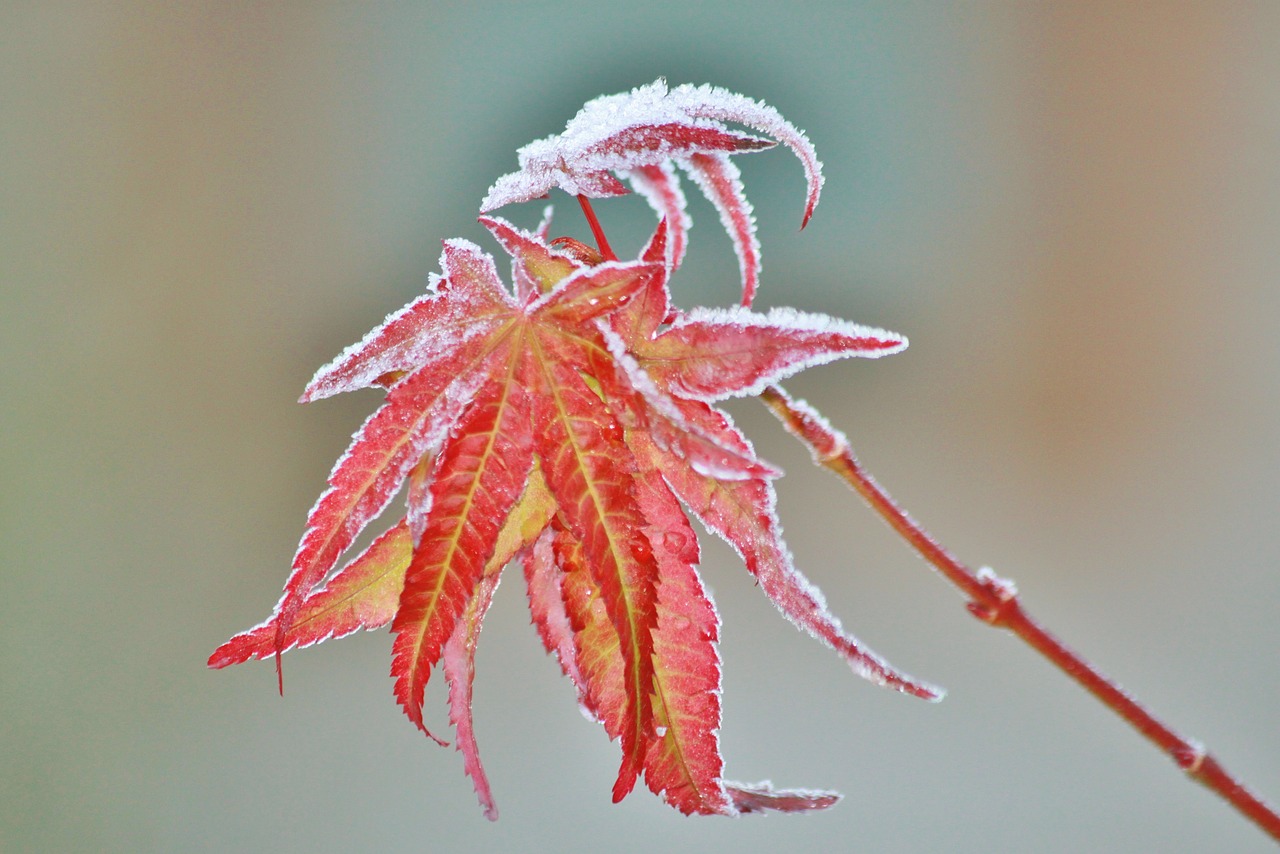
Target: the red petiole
pixel 601 241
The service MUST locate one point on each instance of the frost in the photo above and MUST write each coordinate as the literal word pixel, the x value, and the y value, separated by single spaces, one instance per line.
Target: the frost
pixel 756 797
pixel 638 135
pixel 465 263
pixel 661 188
pixel 825 441
pixel 711 354
pixel 553 423
pixel 723 105
pixel 616 132
pixel 397 346
pixel 459 664
pixel 544 225
pixel 415 419
pixel 744 515
pixel 669 428
pixel 718 469
pixel 1004 588
pixel 721 182
pixel 533 261
pixel 463 305
pixel 362 595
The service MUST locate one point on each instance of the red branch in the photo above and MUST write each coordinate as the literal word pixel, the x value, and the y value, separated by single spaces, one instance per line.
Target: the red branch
pixel 994 600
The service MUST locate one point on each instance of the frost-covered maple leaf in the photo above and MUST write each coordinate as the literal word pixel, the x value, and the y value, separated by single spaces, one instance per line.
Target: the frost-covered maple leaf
pixel 564 426
pixel 568 424
pixel 638 135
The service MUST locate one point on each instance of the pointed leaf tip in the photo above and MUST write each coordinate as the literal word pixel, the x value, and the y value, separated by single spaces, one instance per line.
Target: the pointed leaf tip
pixel 459 669
pixel 364 594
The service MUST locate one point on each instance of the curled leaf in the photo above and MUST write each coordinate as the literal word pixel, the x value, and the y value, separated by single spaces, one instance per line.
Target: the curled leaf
pixel 639 135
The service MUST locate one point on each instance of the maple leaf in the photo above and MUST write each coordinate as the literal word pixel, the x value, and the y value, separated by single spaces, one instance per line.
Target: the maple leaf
pixel 638 135
pixel 568 424
pixel 563 425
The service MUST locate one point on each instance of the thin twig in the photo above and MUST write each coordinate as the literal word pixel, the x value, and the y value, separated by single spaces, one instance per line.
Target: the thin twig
pixel 994 600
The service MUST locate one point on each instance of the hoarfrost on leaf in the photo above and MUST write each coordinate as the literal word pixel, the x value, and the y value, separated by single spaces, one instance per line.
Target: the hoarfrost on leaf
pixel 566 424
pixel 638 135
pixel 711 354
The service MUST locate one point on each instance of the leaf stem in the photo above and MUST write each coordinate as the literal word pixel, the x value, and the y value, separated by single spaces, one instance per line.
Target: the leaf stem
pixel 994 600
pixel 601 241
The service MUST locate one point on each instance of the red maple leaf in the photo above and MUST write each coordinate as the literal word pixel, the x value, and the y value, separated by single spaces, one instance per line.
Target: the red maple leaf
pixel 568 424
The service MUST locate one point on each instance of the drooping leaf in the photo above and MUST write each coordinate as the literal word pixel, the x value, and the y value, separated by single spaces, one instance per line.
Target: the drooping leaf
pixel 414 421
pixel 545 581
pixel 638 134
pixel 364 594
pixel 459 660
pixel 589 471
pixel 706 102
pixel 683 763
pixel 742 513
pixel 530 516
pixel 761 797
pixel 597 654
pixel 721 182
pixel 660 186
pixel 476 482
pixel 418 497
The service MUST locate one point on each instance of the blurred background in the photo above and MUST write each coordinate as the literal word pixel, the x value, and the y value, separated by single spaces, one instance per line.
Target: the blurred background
pixel 1071 209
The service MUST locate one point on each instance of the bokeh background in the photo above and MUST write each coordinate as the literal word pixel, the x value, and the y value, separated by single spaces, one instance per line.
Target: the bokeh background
pixel 1072 209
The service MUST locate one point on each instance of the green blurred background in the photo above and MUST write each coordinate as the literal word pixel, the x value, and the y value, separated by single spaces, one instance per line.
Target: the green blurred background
pixel 1072 209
